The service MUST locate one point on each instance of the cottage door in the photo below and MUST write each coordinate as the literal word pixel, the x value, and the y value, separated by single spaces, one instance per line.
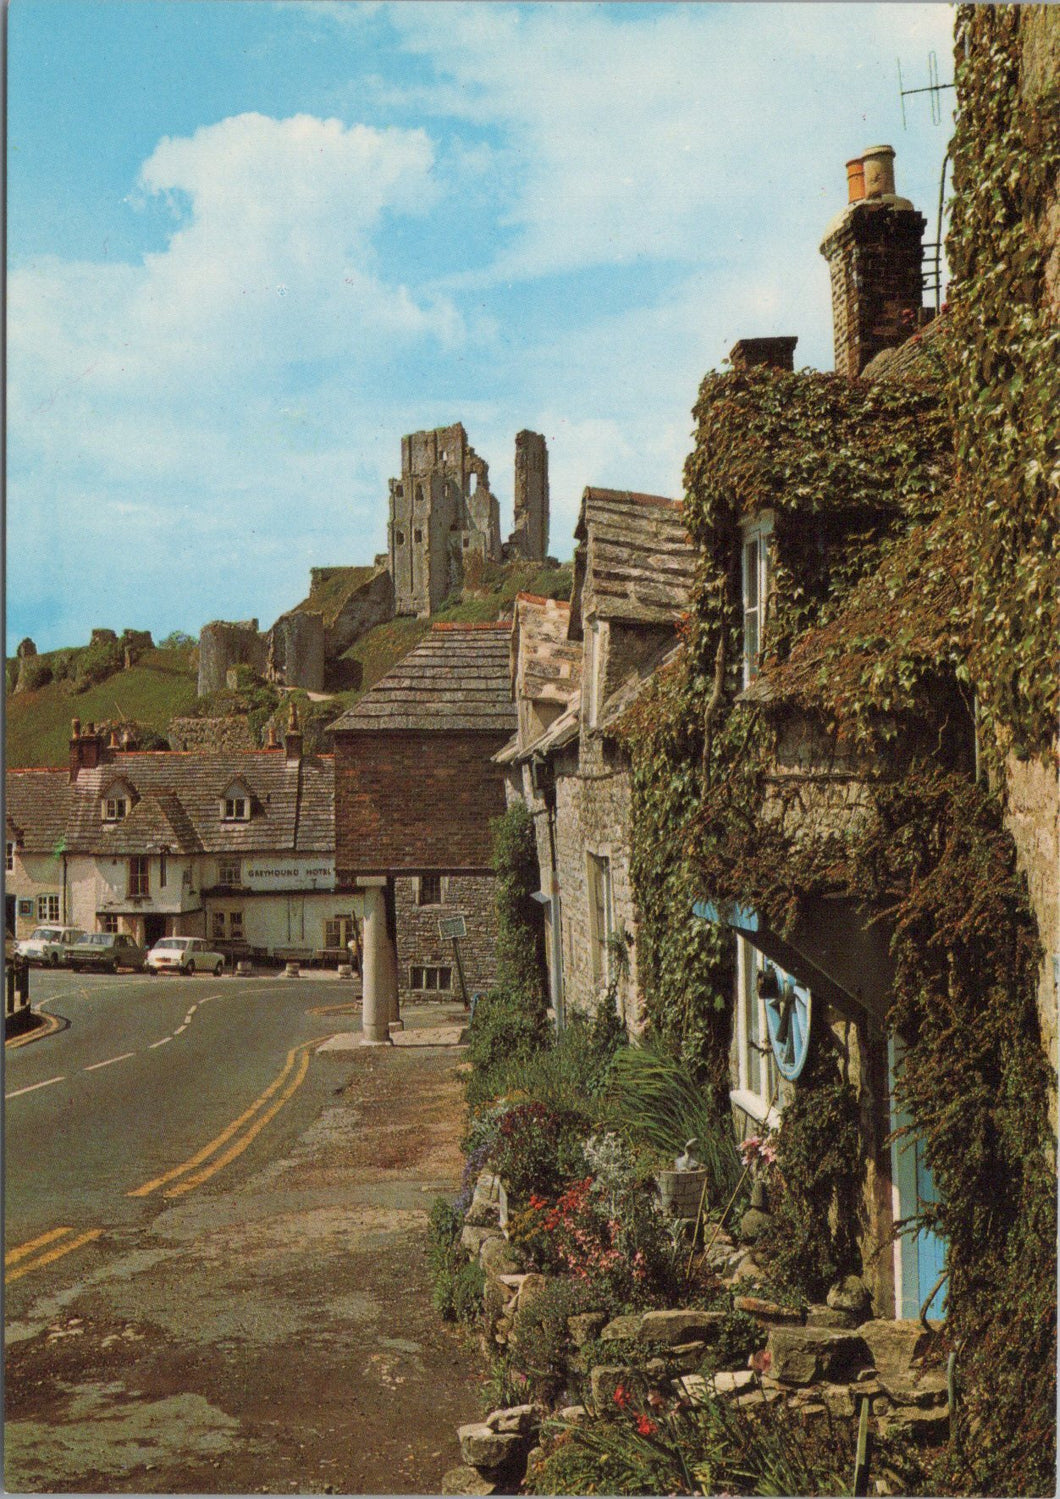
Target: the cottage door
pixel 921 1257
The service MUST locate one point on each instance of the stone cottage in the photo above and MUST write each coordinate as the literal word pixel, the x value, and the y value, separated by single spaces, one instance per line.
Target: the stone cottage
pixel 633 570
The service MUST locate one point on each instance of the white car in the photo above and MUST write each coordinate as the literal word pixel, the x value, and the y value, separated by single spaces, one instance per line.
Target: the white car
pixel 184 955
pixel 48 944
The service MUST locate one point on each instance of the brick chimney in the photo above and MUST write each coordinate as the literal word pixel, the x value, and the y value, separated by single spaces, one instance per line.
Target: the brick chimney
pixel 875 256
pixel 776 353
pixel 292 740
pixel 86 749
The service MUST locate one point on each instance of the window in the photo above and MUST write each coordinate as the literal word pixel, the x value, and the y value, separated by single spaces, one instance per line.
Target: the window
pixel 757 1077
pixel 115 808
pixel 217 926
pixel 600 920
pixel 47 908
pixel 108 924
pixel 237 809
pixel 756 585
pixel 229 871
pixel 399 538
pixel 139 878
pixel 235 926
pixel 431 980
pixel 162 870
pixel 10 856
pixel 339 931
pixel 429 892
pixel 417 535
pixel 227 925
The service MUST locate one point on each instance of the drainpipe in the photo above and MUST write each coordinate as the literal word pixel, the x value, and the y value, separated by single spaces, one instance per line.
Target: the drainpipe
pixel 554 921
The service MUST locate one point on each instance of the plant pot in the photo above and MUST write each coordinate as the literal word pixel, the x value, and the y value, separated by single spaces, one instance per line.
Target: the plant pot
pixel 681 1192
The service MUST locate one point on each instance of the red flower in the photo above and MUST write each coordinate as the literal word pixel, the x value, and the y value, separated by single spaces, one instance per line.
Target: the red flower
pixel 646 1426
pixel 621 1396
pixel 761 1361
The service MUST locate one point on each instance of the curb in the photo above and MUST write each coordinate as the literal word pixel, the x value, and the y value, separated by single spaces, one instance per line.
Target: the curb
pixel 49 1025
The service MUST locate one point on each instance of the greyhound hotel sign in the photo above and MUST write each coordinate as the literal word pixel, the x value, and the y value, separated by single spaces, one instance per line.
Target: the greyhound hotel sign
pixel 289 874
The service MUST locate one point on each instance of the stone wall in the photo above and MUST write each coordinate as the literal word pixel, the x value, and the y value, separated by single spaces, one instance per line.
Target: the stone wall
pixel 223 644
pixel 420 944
pixel 211 733
pixel 529 536
pixel 415 800
pixel 369 605
pixel 295 651
pixel 593 816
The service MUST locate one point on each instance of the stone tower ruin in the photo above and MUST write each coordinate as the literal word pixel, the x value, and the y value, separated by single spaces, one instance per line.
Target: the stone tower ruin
pixel 442 512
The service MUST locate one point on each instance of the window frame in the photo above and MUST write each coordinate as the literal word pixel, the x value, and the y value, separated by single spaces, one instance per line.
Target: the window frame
pixel 600 888
pixel 47 903
pixel 9 855
pixel 225 866
pixel 115 808
pixel 139 875
pixel 421 895
pixel 755 535
pixel 756 1070
pixel 235 808
pixel 108 923
pixel 437 971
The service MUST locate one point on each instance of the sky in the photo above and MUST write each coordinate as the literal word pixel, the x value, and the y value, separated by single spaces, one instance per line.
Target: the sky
pixel 250 244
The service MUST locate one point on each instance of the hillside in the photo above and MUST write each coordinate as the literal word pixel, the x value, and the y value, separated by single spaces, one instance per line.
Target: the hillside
pixel 162 684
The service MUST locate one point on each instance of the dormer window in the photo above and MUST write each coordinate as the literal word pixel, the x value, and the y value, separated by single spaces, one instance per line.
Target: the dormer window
pixel 117 801
pixel 236 802
pixel 756 573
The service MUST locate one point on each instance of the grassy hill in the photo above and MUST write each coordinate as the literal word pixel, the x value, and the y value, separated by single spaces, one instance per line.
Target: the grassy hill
pixel 162 684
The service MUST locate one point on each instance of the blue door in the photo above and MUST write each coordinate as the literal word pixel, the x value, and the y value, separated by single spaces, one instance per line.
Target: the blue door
pixel 921 1257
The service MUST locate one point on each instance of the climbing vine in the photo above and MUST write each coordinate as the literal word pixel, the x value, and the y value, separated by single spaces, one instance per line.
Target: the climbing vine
pixel 915 579
pixel 1005 391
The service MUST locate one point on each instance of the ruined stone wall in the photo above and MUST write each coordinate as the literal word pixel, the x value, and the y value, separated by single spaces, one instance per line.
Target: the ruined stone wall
pixel 211 733
pixel 223 644
pixel 369 605
pixel 296 651
pixel 529 536
pixel 419 943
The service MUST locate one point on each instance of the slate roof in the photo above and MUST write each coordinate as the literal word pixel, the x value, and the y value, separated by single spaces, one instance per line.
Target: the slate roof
pixel 634 560
pixel 561 731
pixel 177 798
pixel 37 808
pixel 927 352
pixel 629 690
pixel 456 679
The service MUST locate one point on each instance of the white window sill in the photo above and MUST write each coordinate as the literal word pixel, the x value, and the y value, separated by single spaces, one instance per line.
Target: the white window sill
pixel 754 1107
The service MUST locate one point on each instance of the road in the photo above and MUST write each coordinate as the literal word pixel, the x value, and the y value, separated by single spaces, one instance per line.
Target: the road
pixel 214 1275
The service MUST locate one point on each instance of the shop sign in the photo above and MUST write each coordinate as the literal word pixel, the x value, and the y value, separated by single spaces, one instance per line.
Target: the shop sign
pixel 289 874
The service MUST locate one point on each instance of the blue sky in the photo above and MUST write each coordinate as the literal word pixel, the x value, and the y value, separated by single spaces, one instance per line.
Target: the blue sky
pixel 251 244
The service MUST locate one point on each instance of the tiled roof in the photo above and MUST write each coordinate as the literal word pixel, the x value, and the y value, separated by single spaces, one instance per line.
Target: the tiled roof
pixel 178 804
pixel 37 805
pixel 456 679
pixel 561 731
pixel 634 561
pixel 928 352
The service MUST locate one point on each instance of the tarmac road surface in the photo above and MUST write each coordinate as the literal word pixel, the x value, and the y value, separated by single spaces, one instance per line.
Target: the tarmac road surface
pixel 214 1268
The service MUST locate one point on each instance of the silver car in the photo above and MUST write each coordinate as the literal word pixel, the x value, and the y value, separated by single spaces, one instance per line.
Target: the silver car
pixel 105 952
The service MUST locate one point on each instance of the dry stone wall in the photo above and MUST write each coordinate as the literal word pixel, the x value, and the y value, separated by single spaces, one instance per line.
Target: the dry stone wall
pixel 420 944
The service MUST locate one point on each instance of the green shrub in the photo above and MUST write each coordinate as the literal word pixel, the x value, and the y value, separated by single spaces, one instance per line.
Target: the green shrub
pixel 536 1149
pixel 653 1098
pixel 97 662
pixel 504 1030
pixel 34 673
pixel 520 934
pixel 458 1282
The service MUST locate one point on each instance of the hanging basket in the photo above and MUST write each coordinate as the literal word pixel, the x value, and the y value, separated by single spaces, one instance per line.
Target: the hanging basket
pixel 681 1191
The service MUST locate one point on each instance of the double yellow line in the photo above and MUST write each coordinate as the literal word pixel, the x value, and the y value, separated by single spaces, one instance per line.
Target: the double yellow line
pixel 19 1257
pixel 37 1253
pixel 298 1064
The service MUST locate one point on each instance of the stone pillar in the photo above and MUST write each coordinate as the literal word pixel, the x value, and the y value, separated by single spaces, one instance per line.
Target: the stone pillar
pixel 377 968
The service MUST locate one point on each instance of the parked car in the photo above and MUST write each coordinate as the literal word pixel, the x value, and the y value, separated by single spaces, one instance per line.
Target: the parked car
pixel 48 944
pixel 107 951
pixel 183 955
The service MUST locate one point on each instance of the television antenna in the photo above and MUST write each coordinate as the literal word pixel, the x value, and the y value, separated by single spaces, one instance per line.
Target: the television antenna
pixel 933 88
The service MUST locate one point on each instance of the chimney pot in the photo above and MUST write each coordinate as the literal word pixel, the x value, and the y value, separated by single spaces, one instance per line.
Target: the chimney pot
pixel 75 729
pixel 878 164
pixel 855 180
